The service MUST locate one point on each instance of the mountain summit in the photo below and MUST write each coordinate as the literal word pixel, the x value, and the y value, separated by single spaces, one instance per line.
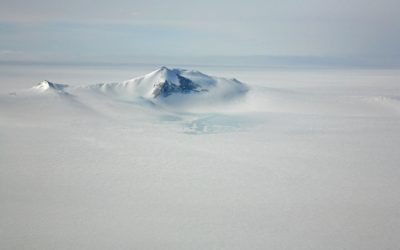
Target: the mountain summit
pixel 170 81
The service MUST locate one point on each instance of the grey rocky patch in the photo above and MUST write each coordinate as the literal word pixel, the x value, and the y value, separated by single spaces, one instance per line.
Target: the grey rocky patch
pixel 186 86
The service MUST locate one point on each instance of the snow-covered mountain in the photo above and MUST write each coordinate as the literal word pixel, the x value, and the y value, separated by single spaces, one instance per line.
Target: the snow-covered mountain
pixel 49 86
pixel 164 86
pixel 164 83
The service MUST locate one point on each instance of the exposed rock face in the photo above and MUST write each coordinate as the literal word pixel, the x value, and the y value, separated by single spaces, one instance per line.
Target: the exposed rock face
pixel 184 86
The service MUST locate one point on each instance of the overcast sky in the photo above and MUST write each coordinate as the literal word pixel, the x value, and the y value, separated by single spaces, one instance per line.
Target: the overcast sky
pixel 120 29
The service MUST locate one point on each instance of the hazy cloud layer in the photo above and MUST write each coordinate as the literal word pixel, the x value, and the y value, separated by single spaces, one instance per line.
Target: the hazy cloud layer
pixel 121 29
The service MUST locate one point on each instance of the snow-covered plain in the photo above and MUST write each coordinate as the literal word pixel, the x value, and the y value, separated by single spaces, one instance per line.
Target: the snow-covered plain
pixel 306 159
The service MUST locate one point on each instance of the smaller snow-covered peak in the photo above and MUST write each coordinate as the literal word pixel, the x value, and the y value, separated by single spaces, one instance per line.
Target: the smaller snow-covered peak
pixel 46 85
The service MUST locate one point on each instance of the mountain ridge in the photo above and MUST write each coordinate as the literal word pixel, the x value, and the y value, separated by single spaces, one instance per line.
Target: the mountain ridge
pixel 161 85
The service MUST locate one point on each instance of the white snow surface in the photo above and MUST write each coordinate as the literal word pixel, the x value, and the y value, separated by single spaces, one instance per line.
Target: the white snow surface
pixel 293 159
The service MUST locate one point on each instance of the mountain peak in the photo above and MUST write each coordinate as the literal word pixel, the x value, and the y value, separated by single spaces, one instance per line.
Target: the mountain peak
pixel 167 81
pixel 47 85
pixel 164 68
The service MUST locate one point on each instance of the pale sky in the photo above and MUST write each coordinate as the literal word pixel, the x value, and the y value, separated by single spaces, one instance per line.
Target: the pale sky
pixel 122 29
